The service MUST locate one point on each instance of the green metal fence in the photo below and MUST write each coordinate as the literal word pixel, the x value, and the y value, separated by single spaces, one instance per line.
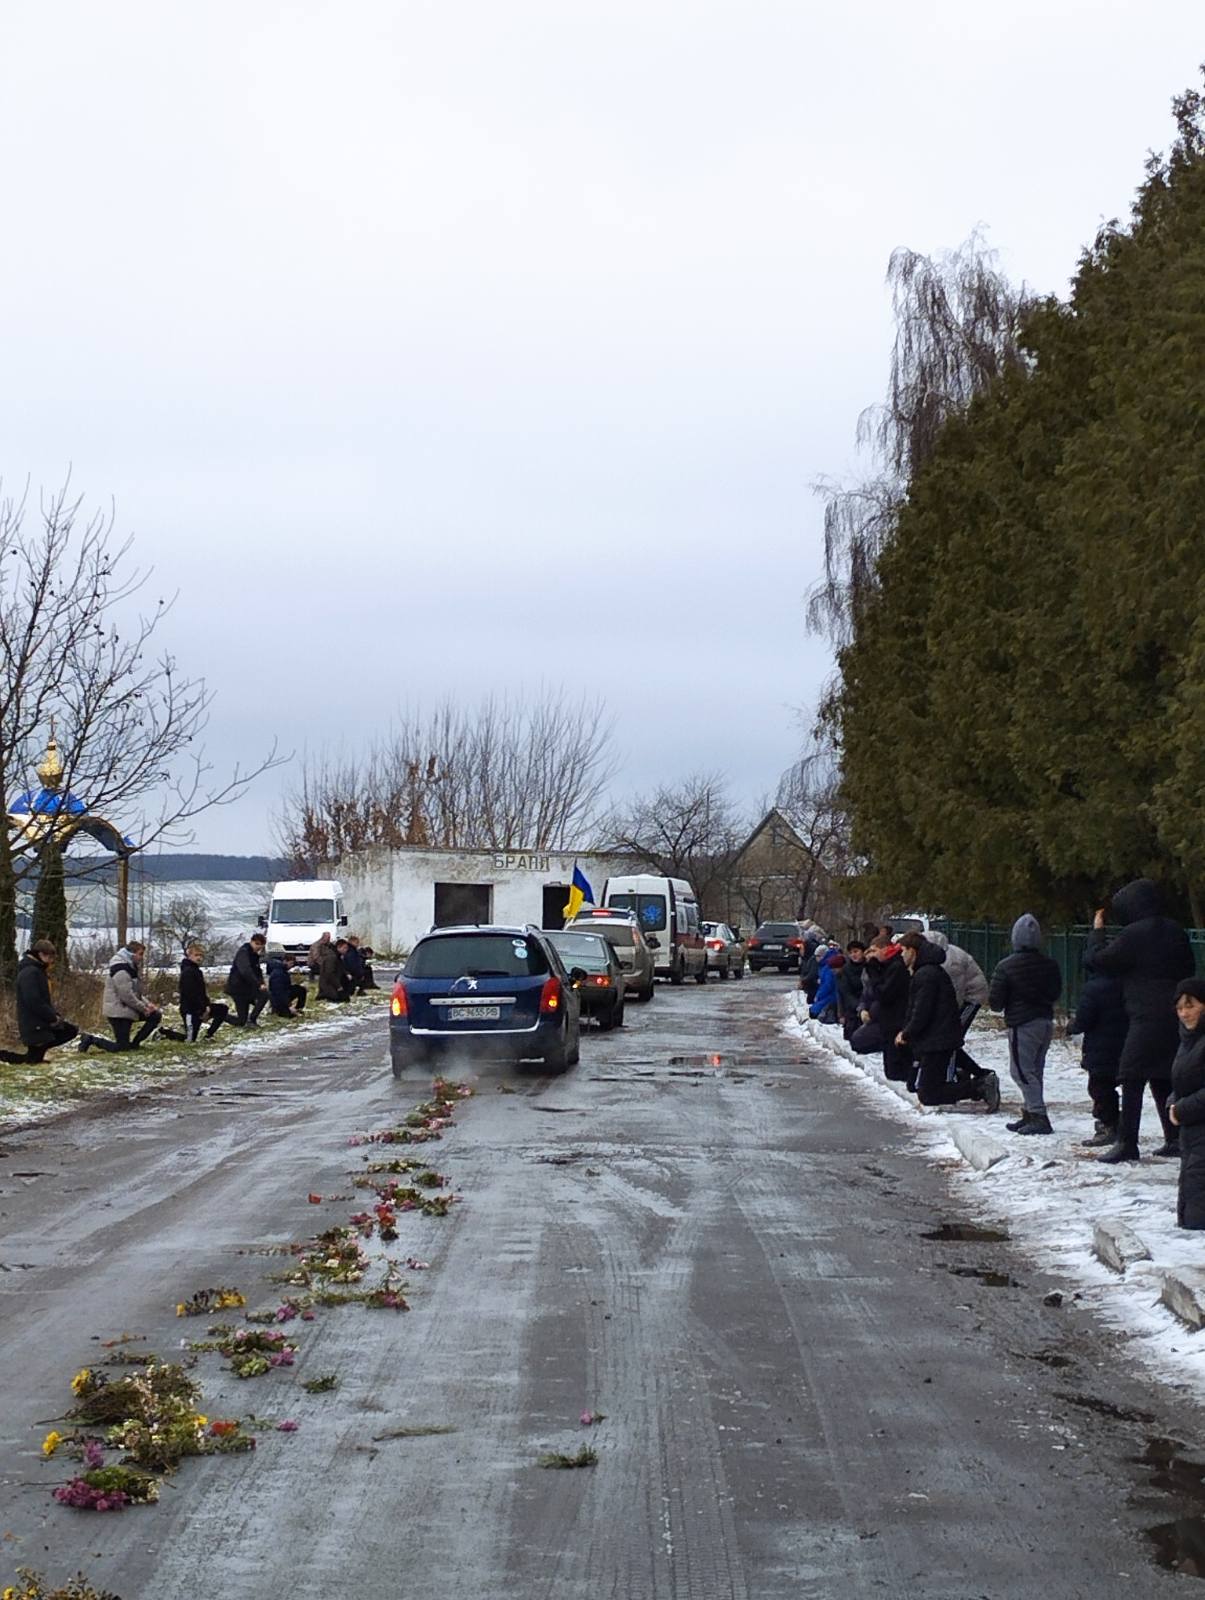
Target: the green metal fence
pixel 990 942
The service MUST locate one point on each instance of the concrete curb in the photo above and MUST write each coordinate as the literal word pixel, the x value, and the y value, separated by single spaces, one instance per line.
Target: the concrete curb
pixel 1117 1245
pixel 972 1144
pixel 1184 1295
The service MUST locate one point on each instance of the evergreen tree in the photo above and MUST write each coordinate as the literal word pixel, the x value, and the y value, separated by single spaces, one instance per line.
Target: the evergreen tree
pixel 50 898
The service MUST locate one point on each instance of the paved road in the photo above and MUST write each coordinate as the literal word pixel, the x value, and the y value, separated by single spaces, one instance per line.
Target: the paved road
pixel 801 1397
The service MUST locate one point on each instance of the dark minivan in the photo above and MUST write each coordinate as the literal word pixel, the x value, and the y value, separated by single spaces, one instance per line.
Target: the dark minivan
pixel 496 992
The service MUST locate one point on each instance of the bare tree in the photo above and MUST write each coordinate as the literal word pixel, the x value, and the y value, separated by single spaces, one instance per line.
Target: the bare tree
pixel 75 666
pixel 958 327
pixel 685 830
pixel 504 774
pixel 184 920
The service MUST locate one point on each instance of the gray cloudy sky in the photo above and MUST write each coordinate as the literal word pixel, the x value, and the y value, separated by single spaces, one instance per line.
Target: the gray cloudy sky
pixel 419 342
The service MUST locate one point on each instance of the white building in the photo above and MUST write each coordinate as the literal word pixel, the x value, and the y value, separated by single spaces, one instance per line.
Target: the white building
pixel 393 897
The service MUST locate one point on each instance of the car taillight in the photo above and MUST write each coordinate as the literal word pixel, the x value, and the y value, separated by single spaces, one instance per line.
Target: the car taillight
pixel 794 944
pixel 397 1003
pixel 753 943
pixel 715 944
pixel 601 980
pixel 550 997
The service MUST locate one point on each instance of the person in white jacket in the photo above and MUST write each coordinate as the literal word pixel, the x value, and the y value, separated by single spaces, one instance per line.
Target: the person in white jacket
pixel 124 1003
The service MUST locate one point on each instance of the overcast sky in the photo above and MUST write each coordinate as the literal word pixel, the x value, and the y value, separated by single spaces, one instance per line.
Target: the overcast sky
pixel 456 345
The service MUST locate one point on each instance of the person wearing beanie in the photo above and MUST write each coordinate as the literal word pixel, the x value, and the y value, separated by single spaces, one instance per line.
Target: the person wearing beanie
pixel 1025 987
pixel 1150 955
pixel 1186 1107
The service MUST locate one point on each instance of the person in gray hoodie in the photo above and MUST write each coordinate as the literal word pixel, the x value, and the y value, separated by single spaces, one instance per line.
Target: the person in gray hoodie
pixel 124 1004
pixel 1025 987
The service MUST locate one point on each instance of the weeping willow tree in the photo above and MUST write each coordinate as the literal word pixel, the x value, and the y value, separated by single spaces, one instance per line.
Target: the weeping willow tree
pixel 957 329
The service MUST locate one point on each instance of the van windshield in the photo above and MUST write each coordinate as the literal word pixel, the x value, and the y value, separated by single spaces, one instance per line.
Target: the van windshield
pixel 295 912
pixel 649 909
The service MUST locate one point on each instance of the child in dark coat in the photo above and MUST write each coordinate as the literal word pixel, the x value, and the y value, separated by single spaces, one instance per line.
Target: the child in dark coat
pixel 1101 1018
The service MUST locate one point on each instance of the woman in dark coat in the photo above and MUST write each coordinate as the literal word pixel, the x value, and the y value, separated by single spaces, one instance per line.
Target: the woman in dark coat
pixel 1150 955
pixel 1186 1107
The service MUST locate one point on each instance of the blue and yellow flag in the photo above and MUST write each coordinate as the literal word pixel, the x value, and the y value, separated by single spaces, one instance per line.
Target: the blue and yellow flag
pixel 580 893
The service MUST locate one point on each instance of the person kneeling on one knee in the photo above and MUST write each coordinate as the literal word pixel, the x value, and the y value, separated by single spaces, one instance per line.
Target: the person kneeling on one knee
pixel 933 1026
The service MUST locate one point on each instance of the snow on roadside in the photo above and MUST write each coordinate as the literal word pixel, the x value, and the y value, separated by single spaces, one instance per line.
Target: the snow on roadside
pixel 1049 1192
pixel 67 1079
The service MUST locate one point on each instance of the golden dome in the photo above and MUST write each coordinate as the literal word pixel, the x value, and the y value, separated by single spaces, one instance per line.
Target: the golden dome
pixel 51 770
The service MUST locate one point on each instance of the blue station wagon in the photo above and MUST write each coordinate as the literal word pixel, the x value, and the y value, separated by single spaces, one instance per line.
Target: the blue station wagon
pixel 485 992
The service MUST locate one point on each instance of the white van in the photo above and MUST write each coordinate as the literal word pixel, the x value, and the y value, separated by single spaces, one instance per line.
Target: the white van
pixel 302 910
pixel 668 913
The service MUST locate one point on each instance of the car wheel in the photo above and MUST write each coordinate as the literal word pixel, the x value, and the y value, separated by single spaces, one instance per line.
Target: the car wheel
pixel 575 1050
pixel 701 975
pixel 617 1016
pixel 784 970
pixel 556 1058
pixel 678 975
pixel 740 972
pixel 645 995
pixel 606 1020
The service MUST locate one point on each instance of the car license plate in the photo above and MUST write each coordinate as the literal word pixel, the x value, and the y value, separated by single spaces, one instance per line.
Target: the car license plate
pixel 773 947
pixel 474 1013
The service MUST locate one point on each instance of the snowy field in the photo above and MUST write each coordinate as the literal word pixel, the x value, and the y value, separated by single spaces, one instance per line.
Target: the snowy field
pixel 1049 1192
pixel 231 906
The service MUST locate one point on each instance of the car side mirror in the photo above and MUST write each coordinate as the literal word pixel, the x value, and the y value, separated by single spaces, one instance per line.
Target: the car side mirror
pixel 261 922
pixel 343 922
pixel 652 941
pixel 577 976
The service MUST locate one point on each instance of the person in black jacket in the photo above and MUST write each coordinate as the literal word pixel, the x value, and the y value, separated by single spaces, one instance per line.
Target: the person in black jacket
pixel 286 997
pixel 1025 987
pixel 1101 1017
pixel 849 987
pixel 246 984
pixel 1186 1108
pixel 353 963
pixel 932 1027
pixel 39 1022
pixel 887 985
pixel 1150 955
pixel 195 1005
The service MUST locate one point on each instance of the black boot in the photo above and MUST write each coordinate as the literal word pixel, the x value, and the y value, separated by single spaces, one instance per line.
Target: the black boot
pixel 1039 1122
pixel 1021 1123
pixel 1170 1147
pixel 1118 1154
pixel 1103 1136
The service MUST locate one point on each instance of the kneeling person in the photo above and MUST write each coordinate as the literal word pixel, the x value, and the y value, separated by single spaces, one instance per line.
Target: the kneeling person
pixel 286 997
pixel 38 1020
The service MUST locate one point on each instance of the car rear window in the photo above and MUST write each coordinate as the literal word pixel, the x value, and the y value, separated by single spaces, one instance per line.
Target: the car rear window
pixel 479 955
pixel 779 930
pixel 649 908
pixel 619 935
pixel 585 950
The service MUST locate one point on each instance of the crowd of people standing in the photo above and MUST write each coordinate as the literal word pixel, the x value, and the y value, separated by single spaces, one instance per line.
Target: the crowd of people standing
pixel 1141 1018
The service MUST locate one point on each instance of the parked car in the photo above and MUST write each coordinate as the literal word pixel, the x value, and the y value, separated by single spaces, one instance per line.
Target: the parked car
pixel 597 975
pixel 621 932
pixel 484 991
pixel 667 911
pixel 776 944
pixel 725 950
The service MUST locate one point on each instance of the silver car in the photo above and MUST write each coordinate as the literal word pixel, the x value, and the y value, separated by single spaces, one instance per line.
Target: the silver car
pixel 725 950
pixel 624 936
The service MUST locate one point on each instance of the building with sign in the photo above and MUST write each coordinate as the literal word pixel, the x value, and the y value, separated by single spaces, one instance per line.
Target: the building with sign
pixel 393 897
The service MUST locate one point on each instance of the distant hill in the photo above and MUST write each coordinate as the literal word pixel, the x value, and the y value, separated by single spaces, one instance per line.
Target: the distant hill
pixel 176 868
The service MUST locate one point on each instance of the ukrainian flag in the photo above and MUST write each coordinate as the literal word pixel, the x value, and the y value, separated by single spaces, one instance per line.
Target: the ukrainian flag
pixel 580 893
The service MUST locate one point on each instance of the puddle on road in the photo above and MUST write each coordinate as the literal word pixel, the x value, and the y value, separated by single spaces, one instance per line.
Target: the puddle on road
pixel 18 1266
pixel 1179 1545
pixel 1105 1408
pixel 984 1275
pixel 965 1233
pixel 1051 1358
